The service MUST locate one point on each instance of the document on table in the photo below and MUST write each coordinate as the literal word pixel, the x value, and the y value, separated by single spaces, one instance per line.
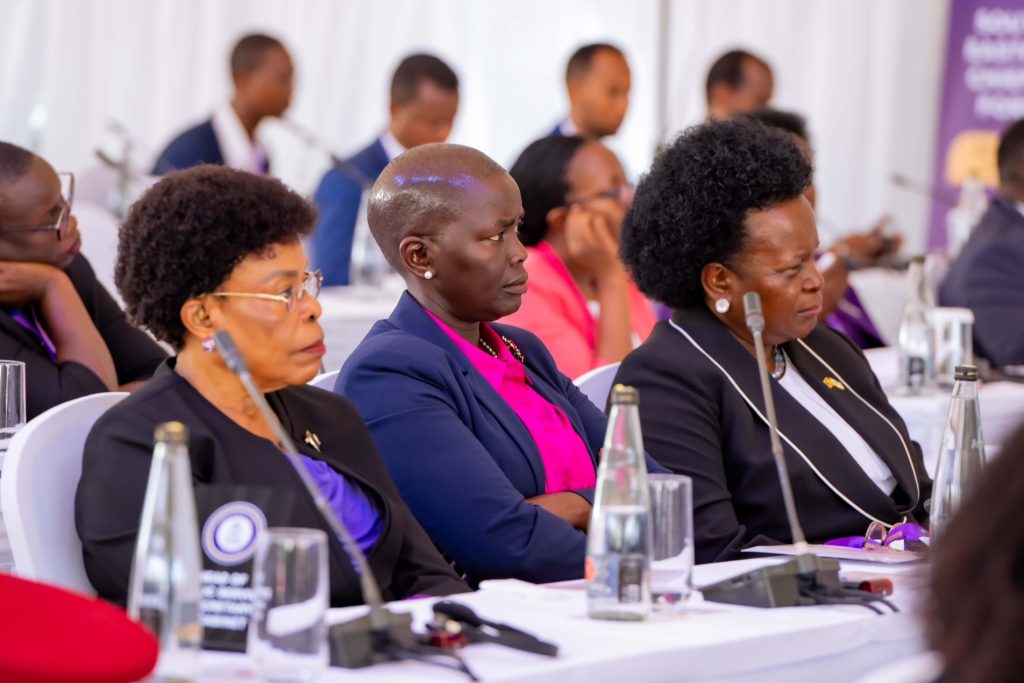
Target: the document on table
pixel 880 555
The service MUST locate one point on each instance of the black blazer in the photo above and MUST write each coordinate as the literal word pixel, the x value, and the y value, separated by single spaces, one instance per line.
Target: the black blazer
pixel 116 466
pixel 698 395
pixel 47 384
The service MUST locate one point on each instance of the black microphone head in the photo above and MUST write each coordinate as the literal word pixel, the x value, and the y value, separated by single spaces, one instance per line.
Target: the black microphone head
pixel 458 612
pixel 230 353
pixel 752 308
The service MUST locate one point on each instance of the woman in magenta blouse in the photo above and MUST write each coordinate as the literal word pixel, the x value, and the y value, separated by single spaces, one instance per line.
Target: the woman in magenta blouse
pixel 581 303
pixel 493 448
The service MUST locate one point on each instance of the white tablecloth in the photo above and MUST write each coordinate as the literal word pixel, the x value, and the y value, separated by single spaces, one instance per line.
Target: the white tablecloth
pixel 709 642
pixel 349 313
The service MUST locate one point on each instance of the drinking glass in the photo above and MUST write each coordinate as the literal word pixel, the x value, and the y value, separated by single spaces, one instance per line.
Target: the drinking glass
pixel 671 498
pixel 12 419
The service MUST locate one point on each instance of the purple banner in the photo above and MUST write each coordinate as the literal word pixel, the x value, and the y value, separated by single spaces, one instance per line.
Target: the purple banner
pixel 983 93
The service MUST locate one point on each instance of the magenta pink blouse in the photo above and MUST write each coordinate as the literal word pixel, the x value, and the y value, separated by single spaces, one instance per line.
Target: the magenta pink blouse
pixel 567 463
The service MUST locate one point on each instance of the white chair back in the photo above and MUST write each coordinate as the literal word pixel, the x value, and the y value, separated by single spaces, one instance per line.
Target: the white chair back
pixel 37 491
pixel 597 383
pixel 325 380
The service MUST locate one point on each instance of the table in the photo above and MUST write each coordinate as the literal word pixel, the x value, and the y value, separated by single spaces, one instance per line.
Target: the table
pixel 1002 407
pixel 709 642
pixel 349 313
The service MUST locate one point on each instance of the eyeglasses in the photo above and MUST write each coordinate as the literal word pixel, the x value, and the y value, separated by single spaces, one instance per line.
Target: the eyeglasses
pixel 623 194
pixel 311 285
pixel 67 199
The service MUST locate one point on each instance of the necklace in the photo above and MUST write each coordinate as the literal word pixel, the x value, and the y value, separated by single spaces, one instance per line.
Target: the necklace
pixel 780 364
pixel 487 347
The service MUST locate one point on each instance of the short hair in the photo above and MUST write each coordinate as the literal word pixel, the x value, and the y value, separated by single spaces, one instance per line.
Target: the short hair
pixel 784 120
pixel 188 232
pixel 14 162
pixel 981 552
pixel 691 208
pixel 1011 154
pixel 248 52
pixel 420 192
pixel 729 69
pixel 541 172
pixel 580 61
pixel 415 69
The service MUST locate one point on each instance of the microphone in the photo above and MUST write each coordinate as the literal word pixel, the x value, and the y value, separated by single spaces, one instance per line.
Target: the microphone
pixel 940 195
pixel 379 635
pixel 806 579
pixel 345 167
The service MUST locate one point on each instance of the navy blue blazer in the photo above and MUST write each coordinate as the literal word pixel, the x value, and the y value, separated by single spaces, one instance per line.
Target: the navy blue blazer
pixel 988 278
pixel 338 198
pixel 461 457
pixel 195 146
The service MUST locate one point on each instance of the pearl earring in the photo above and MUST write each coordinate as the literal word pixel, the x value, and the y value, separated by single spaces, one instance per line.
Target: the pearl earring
pixel 428 275
pixel 723 305
pixel 209 345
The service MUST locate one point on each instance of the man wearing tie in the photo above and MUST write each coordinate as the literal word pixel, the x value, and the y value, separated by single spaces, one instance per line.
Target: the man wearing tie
pixel 261 70
pixel 424 101
pixel 597 79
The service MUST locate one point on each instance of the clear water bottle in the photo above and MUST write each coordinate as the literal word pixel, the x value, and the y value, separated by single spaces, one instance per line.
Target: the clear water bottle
pixel 916 337
pixel 164 589
pixel 962 456
pixel 618 543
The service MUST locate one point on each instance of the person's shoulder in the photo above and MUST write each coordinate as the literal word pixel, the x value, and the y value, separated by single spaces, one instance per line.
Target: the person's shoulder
pixel 386 346
pixel 371 159
pixel 313 401
pixel 836 348
pixel 158 400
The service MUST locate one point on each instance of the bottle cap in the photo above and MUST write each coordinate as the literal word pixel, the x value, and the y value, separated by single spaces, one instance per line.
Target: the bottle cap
pixel 172 432
pixel 625 396
pixel 966 373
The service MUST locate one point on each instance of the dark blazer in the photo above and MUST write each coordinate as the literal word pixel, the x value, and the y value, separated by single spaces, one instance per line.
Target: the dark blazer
pixel 461 457
pixel 338 198
pixel 47 384
pixel 116 465
pixel 988 278
pixel 696 422
pixel 195 146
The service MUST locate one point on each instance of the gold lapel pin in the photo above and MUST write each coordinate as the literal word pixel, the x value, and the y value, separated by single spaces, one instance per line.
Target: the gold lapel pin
pixel 833 383
pixel 313 440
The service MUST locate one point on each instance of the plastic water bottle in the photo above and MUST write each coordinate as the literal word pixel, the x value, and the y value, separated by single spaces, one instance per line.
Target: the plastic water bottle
pixel 916 337
pixel 164 589
pixel 962 456
pixel 618 544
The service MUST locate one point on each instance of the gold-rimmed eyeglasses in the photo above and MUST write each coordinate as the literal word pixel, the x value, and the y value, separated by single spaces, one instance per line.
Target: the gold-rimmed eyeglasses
pixel 60 225
pixel 311 285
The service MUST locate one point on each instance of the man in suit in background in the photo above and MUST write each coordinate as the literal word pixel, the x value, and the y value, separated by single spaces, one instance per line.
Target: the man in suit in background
pixel 424 101
pixel 261 70
pixel 988 276
pixel 598 81
pixel 737 82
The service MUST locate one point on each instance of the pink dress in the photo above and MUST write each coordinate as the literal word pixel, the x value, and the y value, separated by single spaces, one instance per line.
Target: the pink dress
pixel 555 310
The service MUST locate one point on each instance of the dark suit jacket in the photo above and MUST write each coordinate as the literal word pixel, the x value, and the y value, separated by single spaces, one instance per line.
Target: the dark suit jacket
pixel 47 384
pixel 697 423
pixel 116 465
pixel 195 146
pixel 988 278
pixel 459 454
pixel 338 199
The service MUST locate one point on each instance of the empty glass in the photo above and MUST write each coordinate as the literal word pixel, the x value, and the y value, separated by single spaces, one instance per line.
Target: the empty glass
pixel 672 547
pixel 12 419
pixel 287 633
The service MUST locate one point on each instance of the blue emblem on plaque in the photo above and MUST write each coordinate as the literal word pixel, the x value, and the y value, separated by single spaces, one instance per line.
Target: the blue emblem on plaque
pixel 230 533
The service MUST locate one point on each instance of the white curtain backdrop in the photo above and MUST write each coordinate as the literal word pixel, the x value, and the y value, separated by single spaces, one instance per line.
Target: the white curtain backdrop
pixel 865 72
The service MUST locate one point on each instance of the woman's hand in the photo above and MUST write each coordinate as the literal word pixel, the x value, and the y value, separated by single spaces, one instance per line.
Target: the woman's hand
pixel 23 283
pixel 572 507
pixel 589 241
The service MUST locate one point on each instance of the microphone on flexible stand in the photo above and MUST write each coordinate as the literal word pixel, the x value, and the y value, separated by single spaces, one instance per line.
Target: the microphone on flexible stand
pixel 806 579
pixel 378 636
pixel 345 167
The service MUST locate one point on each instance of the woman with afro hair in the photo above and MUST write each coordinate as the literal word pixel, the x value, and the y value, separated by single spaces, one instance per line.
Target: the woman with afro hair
pixel 213 249
pixel 722 213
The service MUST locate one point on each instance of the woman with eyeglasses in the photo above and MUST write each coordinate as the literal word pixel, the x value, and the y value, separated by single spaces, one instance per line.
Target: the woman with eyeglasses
pixel 581 302
pixel 54 315
pixel 214 249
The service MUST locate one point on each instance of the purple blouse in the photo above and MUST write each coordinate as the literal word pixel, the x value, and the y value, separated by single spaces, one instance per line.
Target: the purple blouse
pixel 348 500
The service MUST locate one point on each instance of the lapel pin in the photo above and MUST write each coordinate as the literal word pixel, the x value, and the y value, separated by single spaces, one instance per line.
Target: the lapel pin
pixel 833 383
pixel 313 440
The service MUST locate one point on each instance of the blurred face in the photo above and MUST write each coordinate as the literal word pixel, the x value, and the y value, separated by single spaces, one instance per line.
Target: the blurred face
pixel 755 90
pixel 598 183
pixel 283 347
pixel 600 97
pixel 268 87
pixel 478 259
pixel 777 262
pixel 427 118
pixel 35 201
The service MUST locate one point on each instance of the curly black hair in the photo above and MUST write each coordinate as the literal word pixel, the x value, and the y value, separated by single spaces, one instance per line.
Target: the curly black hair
pixel 540 172
pixel 186 234
pixel 690 209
